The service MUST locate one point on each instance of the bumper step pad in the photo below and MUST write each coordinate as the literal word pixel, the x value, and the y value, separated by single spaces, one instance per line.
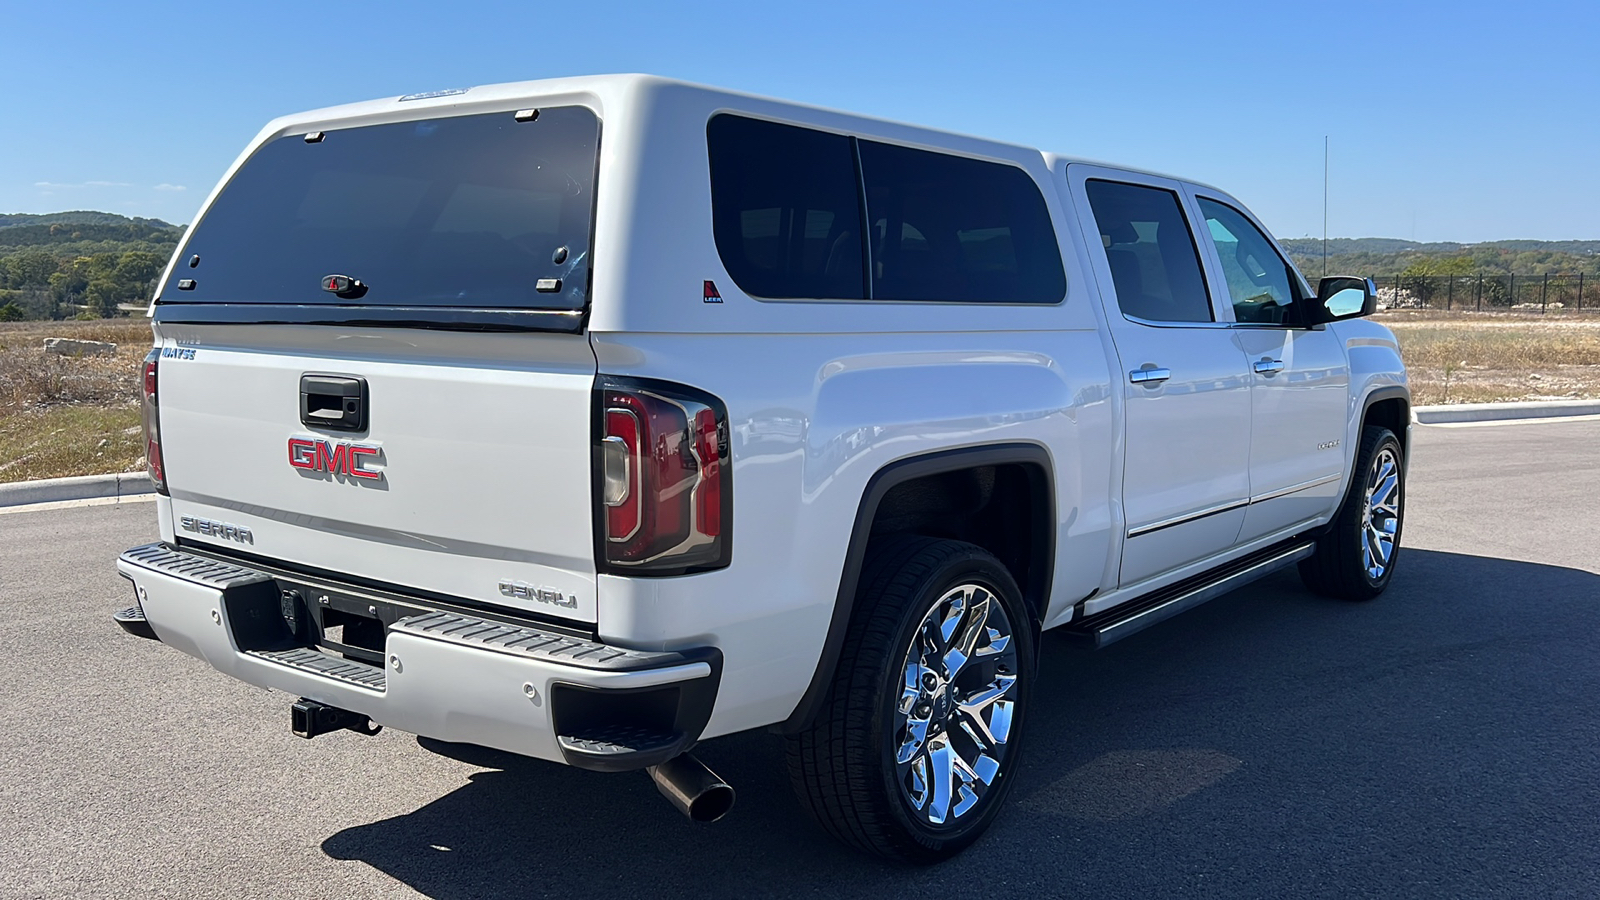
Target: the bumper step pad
pixel 132 621
pixel 619 741
pixel 522 640
pixel 325 664
pixel 198 569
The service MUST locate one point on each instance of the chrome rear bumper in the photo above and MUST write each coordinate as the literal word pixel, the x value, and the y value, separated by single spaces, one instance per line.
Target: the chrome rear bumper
pixel 447 674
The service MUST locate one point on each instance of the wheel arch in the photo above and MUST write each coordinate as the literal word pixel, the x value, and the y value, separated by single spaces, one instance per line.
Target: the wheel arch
pixel 1037 467
pixel 1389 406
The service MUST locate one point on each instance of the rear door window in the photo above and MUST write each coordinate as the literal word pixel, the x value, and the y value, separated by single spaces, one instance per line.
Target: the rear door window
pixel 956 229
pixel 468 211
pixel 786 209
pixel 1154 265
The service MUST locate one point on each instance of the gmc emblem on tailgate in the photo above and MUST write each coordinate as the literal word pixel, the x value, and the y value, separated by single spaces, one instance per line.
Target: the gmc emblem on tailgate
pixel 333 457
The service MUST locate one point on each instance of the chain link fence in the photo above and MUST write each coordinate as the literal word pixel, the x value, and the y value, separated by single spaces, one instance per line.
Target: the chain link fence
pixel 1491 293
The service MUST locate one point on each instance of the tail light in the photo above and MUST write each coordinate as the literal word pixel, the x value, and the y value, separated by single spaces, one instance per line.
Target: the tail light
pixel 663 480
pixel 152 423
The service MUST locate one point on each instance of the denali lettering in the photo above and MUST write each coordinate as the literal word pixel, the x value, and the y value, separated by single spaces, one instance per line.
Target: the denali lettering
pixel 334 457
pixel 217 529
pixel 525 591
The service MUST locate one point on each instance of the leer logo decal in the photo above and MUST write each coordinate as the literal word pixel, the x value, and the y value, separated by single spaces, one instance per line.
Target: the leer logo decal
pixel 334 457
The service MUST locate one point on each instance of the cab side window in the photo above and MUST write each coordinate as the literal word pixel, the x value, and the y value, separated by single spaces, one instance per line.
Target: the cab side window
pixel 1259 284
pixel 1155 267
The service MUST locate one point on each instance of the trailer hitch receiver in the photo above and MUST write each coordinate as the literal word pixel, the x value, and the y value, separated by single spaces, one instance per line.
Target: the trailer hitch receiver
pixel 308 718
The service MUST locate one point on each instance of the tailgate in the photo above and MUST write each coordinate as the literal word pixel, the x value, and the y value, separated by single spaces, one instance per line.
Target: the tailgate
pixel 471 477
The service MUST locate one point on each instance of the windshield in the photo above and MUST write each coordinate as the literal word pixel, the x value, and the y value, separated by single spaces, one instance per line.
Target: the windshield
pixel 481 211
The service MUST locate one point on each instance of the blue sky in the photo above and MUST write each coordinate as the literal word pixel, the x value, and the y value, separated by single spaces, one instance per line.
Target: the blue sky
pixel 1462 121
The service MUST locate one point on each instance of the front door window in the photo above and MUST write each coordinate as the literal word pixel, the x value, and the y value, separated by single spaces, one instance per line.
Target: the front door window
pixel 1259 283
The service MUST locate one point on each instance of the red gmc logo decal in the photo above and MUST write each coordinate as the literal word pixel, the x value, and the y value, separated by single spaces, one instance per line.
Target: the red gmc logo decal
pixel 333 457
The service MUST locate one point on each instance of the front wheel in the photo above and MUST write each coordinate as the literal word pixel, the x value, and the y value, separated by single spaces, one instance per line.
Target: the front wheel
pixel 914 750
pixel 1356 558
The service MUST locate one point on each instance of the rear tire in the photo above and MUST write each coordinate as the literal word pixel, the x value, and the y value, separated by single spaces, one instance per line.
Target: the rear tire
pixel 1356 558
pixel 915 747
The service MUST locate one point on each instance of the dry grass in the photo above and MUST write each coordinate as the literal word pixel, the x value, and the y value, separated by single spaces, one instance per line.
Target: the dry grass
pixel 1472 358
pixel 64 416
pixel 53 442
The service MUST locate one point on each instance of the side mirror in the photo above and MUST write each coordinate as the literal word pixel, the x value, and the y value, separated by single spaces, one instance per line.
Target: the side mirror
pixel 1342 297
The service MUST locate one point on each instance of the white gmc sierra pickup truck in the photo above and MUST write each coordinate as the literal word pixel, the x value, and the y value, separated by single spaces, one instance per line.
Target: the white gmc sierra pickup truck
pixel 591 418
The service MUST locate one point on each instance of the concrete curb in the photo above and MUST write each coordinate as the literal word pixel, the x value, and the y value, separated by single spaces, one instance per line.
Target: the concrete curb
pixel 1490 412
pixel 86 487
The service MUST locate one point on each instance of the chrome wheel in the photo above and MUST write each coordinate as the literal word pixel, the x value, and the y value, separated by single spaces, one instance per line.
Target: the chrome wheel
pixel 1380 518
pixel 953 718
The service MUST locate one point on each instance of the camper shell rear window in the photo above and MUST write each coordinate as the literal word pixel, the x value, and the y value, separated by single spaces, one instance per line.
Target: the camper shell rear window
pixel 485 211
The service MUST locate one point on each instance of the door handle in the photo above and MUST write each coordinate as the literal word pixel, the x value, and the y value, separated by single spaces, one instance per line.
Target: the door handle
pixel 1268 367
pixel 1151 376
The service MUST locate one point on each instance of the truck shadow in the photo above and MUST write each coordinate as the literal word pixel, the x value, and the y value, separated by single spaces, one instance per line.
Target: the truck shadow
pixel 1267 743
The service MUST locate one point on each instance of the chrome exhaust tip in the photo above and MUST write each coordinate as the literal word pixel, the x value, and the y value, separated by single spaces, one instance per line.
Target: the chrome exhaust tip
pixel 693 789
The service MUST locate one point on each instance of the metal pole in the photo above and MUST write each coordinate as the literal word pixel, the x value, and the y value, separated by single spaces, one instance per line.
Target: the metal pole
pixel 1477 300
pixel 1397 290
pixel 1580 291
pixel 1513 290
pixel 1544 294
pixel 1450 292
pixel 1324 206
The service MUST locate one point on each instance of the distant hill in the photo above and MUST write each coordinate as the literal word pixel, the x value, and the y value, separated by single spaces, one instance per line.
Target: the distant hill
pixel 74 217
pixel 1347 246
pixel 82 233
pixel 1377 257
pixel 79 263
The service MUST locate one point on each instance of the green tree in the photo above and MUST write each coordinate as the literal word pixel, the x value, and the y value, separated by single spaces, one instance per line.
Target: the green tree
pixel 136 267
pixel 29 268
pixel 102 296
pixel 1438 266
pixel 71 280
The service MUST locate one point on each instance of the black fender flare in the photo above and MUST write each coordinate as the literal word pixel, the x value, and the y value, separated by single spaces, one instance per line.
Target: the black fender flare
pixel 1034 458
pixel 1372 398
pixel 1389 392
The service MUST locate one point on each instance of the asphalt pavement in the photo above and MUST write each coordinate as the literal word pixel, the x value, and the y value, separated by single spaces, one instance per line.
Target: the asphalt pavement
pixel 1443 740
